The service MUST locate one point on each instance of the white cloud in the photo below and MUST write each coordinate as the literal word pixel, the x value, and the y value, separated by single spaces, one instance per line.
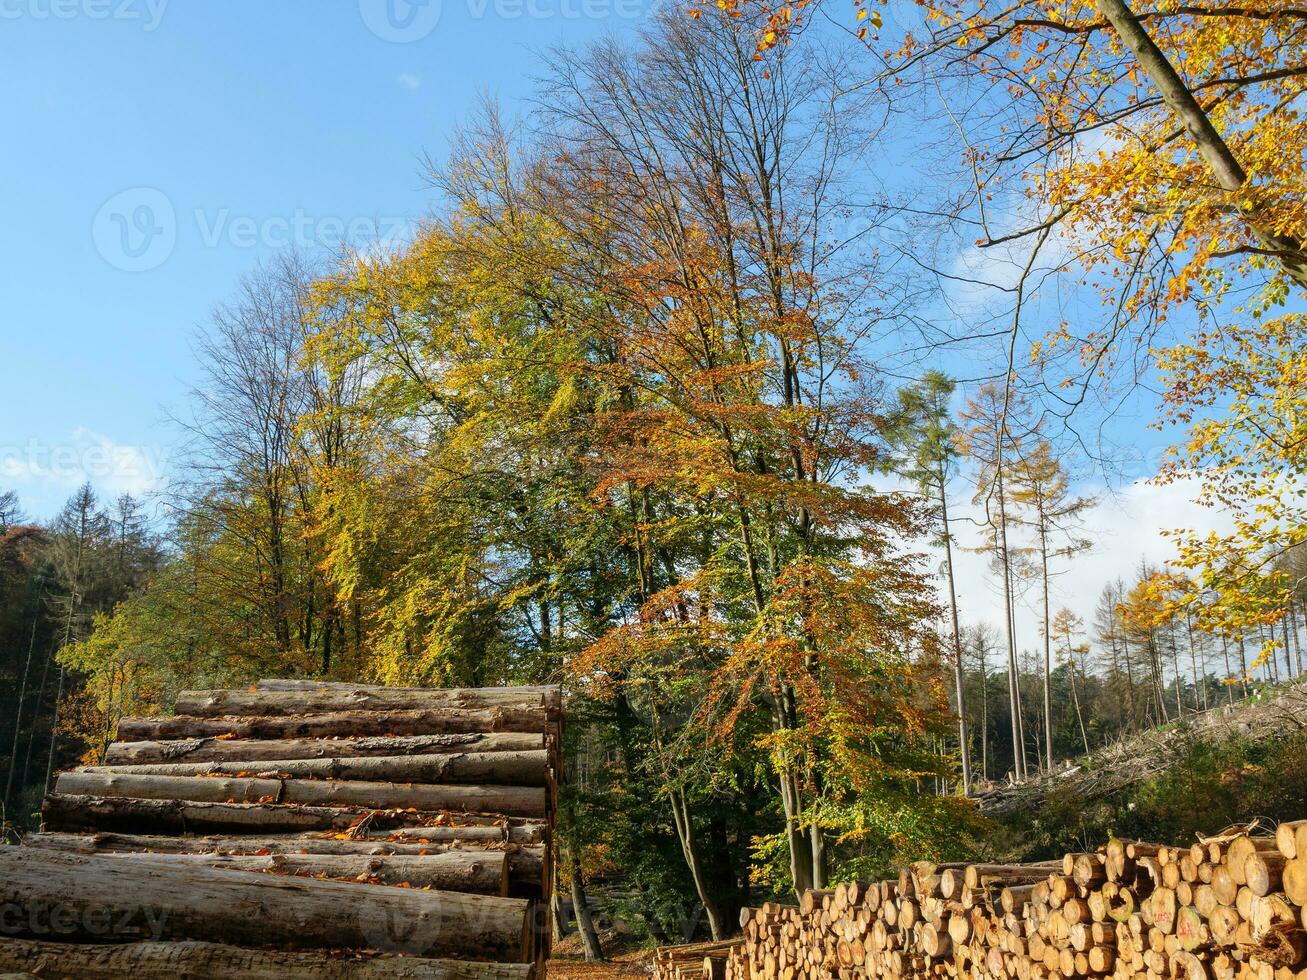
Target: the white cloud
pixel 410 81
pixel 1126 527
pixel 45 472
pixel 978 276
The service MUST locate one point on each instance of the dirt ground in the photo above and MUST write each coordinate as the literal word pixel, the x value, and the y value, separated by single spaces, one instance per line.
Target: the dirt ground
pixel 568 963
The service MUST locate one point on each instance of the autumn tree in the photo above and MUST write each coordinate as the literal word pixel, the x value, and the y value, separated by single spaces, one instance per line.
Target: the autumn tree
pixel 1248 455
pixel 1067 625
pixel 1111 636
pixel 980 644
pixel 927 437
pixel 1156 138
pixel 27 630
pixel 1154 153
pixel 1148 612
pixel 1041 486
pixel 994 434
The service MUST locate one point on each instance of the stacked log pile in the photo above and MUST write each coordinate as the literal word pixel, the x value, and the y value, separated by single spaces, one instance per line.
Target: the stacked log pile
pixel 698 961
pixel 1231 907
pixel 298 828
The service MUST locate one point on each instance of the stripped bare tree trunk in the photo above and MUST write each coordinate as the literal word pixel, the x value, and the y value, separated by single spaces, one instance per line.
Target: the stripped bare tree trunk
pixel 964 742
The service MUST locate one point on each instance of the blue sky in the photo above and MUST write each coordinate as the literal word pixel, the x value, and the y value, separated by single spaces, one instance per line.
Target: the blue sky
pixel 156 148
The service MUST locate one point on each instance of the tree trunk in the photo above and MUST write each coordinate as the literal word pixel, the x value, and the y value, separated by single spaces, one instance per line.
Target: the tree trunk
pixel 964 743
pixel 817 842
pixel 1013 682
pixel 1243 662
pixel 984 713
pixel 1229 671
pixel 800 852
pixel 128 897
pixel 470 827
pixel 224 750
pixel 494 768
pixel 1160 665
pixel 170 816
pixel 557 918
pixel 349 724
pixel 690 849
pixel 18 713
pixel 54 729
pixel 526 692
pixel 171 961
pixel 1048 647
pixel 1200 692
pixel 1229 174
pixel 479 872
pixel 1179 677
pixel 1130 681
pixel 1297 639
pixel 36 717
pixel 324 698
pixel 594 951
pixel 525 861
pixel 1288 653
pixel 509 800
pixel 1075 696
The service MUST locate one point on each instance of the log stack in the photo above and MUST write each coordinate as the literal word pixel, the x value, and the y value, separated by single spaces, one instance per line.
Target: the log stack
pixel 698 961
pixel 1230 907
pixel 299 829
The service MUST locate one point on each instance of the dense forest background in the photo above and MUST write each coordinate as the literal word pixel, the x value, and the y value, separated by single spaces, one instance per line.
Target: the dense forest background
pixel 632 413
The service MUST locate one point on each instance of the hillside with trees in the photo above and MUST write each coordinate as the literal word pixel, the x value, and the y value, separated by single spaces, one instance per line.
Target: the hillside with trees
pixel 667 403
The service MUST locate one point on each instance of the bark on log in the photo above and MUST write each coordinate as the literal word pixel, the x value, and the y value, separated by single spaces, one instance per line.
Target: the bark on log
pixel 476 872
pixel 516 832
pixel 230 750
pixel 207 704
pixel 173 961
pixel 525 862
pixel 126 897
pixel 549 692
pixel 495 768
pixel 507 800
pixel 69 812
pixel 350 724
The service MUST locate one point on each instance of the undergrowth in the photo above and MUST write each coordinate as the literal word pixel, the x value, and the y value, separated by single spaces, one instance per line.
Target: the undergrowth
pixel 1205 787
